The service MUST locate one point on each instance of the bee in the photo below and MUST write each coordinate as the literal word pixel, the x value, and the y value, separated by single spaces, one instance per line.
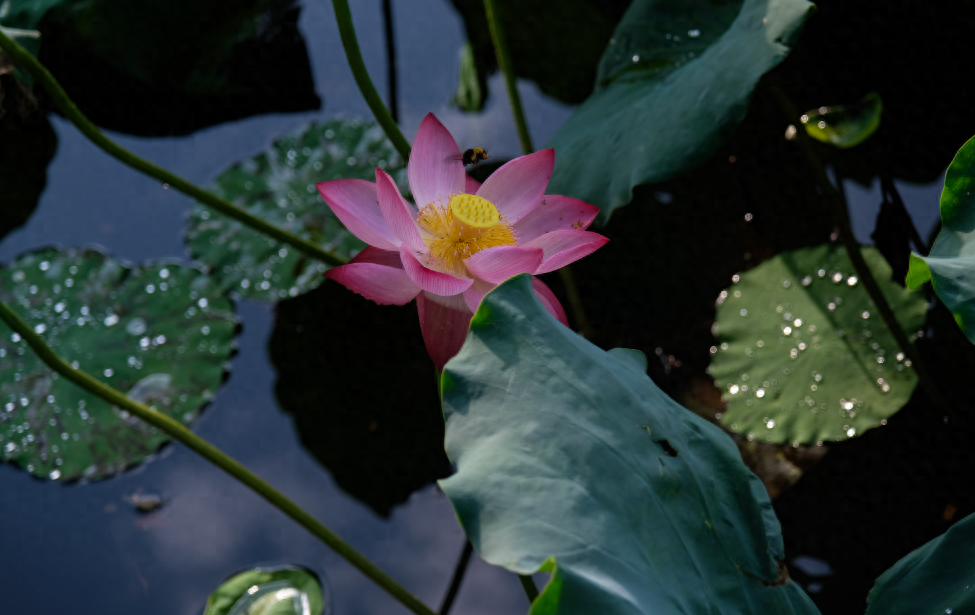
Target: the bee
pixel 472 156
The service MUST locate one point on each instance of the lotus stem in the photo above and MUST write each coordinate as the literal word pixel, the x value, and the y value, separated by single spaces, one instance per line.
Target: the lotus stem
pixel 24 59
pixel 347 31
pixel 213 455
pixel 504 62
pixel 528 584
pixel 841 217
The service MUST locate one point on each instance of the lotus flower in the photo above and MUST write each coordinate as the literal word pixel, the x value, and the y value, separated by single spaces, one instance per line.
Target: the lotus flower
pixel 463 238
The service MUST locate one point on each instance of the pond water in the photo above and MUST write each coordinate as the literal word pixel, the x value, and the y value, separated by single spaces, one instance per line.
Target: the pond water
pixel 83 548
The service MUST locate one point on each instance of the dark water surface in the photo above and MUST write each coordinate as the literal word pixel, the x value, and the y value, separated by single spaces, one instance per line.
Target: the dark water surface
pixel 81 548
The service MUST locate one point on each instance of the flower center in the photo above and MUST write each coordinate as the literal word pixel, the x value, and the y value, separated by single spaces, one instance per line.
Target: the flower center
pixel 467 225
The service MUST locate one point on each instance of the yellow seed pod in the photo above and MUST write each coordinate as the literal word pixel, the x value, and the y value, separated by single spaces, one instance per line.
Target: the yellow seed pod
pixel 474 211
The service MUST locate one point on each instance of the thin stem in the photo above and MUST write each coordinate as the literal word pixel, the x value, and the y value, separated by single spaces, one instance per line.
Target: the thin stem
pixel 24 59
pixel 840 213
pixel 344 18
pixel 894 197
pixel 215 456
pixel 528 584
pixel 465 558
pixel 390 60
pixel 504 62
pixel 575 302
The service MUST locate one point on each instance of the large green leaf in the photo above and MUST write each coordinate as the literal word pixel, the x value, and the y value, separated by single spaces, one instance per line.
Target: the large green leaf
pixel 674 83
pixel 803 356
pixel 279 186
pixel 570 460
pixel 279 591
pixel 950 265
pixel 162 67
pixel 934 579
pixel 160 333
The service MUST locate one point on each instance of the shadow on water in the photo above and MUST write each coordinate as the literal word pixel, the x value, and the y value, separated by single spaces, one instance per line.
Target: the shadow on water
pixel 363 395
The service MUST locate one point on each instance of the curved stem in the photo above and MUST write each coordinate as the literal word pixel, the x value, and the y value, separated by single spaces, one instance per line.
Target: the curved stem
pixel 841 217
pixel 455 580
pixel 215 456
pixel 510 81
pixel 24 59
pixel 344 18
pixel 504 62
pixel 391 60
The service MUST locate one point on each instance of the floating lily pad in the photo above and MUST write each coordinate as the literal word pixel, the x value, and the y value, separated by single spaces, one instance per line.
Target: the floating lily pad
pixel 802 354
pixel 277 591
pixel 845 126
pixel 356 379
pixel 160 333
pixel 571 461
pixel 279 186
pixel 674 83
pixel 936 578
pixel 950 265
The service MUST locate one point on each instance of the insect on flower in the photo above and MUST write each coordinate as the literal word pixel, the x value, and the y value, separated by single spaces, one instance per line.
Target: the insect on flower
pixel 461 239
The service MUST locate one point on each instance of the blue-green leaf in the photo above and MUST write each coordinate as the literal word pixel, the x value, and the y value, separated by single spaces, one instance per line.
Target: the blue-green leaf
pixel 950 265
pixel 570 460
pixel 934 579
pixel 674 83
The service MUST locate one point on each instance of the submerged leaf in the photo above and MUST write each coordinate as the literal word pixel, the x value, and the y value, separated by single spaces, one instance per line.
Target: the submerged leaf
pixel 936 578
pixel 845 125
pixel 570 460
pixel 803 356
pixel 278 591
pixel 950 266
pixel 160 333
pixel 675 82
pixel 279 186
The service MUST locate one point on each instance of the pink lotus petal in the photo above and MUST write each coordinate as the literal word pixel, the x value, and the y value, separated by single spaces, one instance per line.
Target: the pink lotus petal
pixel 474 294
pixel 555 213
pixel 355 204
pixel 377 275
pixel 498 264
pixel 471 185
pixel 549 301
pixel 435 169
pixel 518 186
pixel 432 281
pixel 399 214
pixel 444 322
pixel 564 247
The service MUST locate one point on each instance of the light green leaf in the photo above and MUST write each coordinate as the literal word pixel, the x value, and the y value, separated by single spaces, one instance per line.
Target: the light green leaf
pixel 570 460
pixel 935 579
pixel 803 356
pixel 950 265
pixel 278 591
pixel 160 333
pixel 279 186
pixel 675 82
pixel 845 126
